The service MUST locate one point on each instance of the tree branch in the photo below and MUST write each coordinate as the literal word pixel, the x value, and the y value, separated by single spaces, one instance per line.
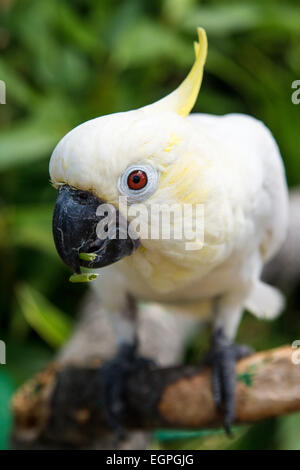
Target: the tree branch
pixel 62 404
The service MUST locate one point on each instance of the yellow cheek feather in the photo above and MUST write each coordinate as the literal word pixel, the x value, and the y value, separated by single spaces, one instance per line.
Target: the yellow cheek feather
pixel 163 264
pixel 184 181
pixel 174 140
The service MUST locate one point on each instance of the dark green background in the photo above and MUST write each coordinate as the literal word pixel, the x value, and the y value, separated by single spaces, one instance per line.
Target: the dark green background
pixel 66 62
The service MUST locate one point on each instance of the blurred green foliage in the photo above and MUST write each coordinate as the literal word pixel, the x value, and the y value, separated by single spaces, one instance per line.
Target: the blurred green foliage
pixel 66 62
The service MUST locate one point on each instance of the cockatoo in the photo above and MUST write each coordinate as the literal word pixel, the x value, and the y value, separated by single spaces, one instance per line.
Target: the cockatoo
pixel 158 155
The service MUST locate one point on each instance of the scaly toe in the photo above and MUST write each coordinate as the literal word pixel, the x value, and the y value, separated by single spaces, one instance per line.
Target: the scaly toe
pixel 113 380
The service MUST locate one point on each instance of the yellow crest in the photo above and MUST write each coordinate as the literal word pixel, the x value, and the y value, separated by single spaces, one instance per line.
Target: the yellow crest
pixel 182 100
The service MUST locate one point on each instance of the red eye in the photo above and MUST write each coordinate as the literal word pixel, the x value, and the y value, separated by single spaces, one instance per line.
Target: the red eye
pixel 137 179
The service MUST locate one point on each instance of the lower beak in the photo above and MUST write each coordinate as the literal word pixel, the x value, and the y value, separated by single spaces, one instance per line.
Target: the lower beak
pixel 75 223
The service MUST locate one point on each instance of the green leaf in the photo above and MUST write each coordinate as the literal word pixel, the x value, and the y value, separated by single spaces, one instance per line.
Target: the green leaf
pixel 288 432
pixel 53 325
pixel 31 226
pixel 26 143
pixel 223 19
pixel 175 10
pixel 16 86
pixel 206 439
pixel 147 41
pixel 78 31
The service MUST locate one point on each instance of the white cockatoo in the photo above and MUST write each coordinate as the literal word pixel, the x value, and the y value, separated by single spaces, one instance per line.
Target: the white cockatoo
pixel 161 155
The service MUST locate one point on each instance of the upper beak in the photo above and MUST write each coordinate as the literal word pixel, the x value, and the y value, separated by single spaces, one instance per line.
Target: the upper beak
pixel 75 223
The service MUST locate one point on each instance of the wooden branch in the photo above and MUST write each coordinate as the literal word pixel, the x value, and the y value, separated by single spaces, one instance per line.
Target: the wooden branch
pixel 62 404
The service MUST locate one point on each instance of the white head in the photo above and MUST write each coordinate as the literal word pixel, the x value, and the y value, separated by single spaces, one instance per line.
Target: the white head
pixel 93 155
pixel 149 154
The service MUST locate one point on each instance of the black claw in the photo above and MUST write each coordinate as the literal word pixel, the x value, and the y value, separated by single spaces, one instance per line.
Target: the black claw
pixel 242 350
pixel 113 379
pixel 222 358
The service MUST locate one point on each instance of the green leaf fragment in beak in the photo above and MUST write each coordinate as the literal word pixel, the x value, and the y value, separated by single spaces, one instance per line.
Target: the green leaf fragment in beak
pixel 87 256
pixel 83 277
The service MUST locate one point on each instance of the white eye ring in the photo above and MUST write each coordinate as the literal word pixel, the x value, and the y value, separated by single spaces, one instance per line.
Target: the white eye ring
pixel 137 195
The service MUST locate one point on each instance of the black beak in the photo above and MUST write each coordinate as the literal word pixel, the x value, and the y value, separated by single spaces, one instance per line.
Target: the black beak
pixel 75 222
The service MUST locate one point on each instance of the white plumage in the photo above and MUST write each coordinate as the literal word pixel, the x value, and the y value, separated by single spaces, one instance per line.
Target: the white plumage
pixel 247 221
pixel 230 164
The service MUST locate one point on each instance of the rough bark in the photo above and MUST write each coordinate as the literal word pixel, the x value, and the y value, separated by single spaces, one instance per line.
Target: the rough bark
pixel 62 404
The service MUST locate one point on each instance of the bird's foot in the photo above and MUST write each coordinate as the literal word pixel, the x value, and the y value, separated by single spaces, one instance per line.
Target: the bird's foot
pixel 222 358
pixel 113 379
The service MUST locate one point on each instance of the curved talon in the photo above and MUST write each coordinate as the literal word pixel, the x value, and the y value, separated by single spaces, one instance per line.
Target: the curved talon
pixel 222 358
